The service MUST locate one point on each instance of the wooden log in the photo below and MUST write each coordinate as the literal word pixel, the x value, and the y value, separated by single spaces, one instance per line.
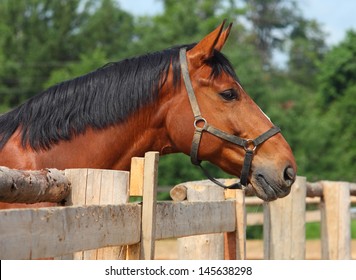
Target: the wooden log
pixel 181 189
pixel 55 231
pixel 335 221
pixel 284 225
pixel 178 193
pixel 46 185
pixel 316 189
pixel 98 187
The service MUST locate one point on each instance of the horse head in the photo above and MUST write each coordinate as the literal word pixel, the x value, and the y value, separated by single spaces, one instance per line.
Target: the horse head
pixel 212 118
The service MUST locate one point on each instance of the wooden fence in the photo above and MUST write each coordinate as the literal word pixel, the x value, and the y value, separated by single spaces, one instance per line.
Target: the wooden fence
pixel 98 222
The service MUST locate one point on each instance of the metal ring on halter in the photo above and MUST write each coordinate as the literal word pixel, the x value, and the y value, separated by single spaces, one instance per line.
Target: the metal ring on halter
pixel 249 143
pixel 200 119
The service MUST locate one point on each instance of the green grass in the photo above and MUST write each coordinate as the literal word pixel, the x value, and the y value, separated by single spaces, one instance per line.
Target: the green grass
pixel 313 230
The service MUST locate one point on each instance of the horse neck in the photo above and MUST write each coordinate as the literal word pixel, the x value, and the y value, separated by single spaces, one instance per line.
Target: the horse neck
pixel 147 129
pixel 142 132
pixel 109 148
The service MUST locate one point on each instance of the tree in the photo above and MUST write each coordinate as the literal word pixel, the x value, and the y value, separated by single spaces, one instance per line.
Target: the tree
pixel 338 70
pixel 306 51
pixel 36 37
pixel 85 64
pixel 271 22
pixel 182 22
pixel 329 133
pixel 109 29
pixel 41 36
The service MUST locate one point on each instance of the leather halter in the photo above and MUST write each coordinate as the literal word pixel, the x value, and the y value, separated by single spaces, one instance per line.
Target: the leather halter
pixel 201 125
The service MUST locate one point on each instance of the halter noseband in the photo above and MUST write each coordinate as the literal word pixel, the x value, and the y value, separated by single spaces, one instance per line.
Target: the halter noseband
pixel 200 124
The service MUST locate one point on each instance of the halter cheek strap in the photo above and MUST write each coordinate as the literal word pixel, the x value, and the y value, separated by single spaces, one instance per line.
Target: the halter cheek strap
pixel 201 125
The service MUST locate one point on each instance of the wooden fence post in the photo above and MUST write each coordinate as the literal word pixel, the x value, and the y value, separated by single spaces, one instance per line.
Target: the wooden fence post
pixel 235 242
pixel 98 187
pixel 143 182
pixel 148 225
pixel 284 225
pixel 335 221
pixel 207 246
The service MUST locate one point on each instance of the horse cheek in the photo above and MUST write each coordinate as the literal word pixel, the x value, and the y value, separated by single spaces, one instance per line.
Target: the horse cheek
pixel 180 127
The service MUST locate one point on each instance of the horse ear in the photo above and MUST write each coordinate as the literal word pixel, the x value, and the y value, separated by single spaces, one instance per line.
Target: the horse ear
pixel 205 48
pixel 223 37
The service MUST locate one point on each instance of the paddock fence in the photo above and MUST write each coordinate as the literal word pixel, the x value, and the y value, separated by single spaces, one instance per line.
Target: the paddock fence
pixel 96 220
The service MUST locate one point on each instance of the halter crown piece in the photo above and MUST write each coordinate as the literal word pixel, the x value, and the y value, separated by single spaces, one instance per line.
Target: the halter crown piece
pixel 249 145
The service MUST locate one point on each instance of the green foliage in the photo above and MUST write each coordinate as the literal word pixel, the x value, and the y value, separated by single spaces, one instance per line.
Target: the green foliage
pixel 108 29
pixel 330 151
pixel 86 64
pixel 307 49
pixel 41 36
pixel 270 21
pixel 337 71
pixel 182 22
pixel 37 37
pixel 173 167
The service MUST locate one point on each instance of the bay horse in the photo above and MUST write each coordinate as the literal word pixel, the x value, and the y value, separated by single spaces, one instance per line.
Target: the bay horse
pixel 154 102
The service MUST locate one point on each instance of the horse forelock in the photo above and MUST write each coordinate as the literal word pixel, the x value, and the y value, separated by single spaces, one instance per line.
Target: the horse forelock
pixel 104 97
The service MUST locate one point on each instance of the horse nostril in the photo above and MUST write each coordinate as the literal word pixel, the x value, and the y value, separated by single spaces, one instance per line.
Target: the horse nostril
pixel 289 175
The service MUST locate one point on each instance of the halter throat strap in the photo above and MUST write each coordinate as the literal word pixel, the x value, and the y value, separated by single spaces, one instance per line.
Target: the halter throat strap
pixel 201 125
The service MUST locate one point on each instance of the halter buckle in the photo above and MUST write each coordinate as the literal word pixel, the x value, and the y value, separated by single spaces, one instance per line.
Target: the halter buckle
pixel 249 145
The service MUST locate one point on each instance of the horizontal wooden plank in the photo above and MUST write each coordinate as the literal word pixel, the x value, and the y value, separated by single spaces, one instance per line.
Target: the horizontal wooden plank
pixel 311 216
pixel 316 188
pixel 56 231
pixel 179 219
pixel 254 219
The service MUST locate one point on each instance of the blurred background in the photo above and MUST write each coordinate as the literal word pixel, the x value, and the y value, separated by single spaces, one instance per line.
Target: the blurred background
pixel 296 59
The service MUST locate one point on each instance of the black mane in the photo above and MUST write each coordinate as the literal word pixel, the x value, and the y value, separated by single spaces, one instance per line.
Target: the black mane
pixel 99 99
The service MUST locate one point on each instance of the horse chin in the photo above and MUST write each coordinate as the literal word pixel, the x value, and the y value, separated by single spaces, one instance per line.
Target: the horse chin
pixel 268 189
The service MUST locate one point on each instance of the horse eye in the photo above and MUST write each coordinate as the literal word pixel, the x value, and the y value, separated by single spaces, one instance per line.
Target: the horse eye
pixel 229 94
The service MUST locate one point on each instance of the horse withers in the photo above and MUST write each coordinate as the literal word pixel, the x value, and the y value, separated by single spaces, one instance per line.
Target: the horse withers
pixel 183 99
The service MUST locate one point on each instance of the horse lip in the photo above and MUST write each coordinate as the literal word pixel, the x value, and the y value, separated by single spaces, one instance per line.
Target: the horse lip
pixel 264 182
pixel 271 191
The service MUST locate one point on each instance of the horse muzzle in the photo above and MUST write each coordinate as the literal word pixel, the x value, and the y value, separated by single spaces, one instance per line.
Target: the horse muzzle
pixel 270 185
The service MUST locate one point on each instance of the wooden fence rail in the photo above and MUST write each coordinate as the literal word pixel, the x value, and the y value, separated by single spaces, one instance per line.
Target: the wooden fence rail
pixel 60 231
pixel 284 219
pixel 98 222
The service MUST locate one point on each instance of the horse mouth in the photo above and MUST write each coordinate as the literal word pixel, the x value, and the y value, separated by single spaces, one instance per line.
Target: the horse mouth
pixel 268 190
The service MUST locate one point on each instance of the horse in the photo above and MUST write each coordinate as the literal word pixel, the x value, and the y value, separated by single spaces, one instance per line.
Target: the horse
pixel 184 99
